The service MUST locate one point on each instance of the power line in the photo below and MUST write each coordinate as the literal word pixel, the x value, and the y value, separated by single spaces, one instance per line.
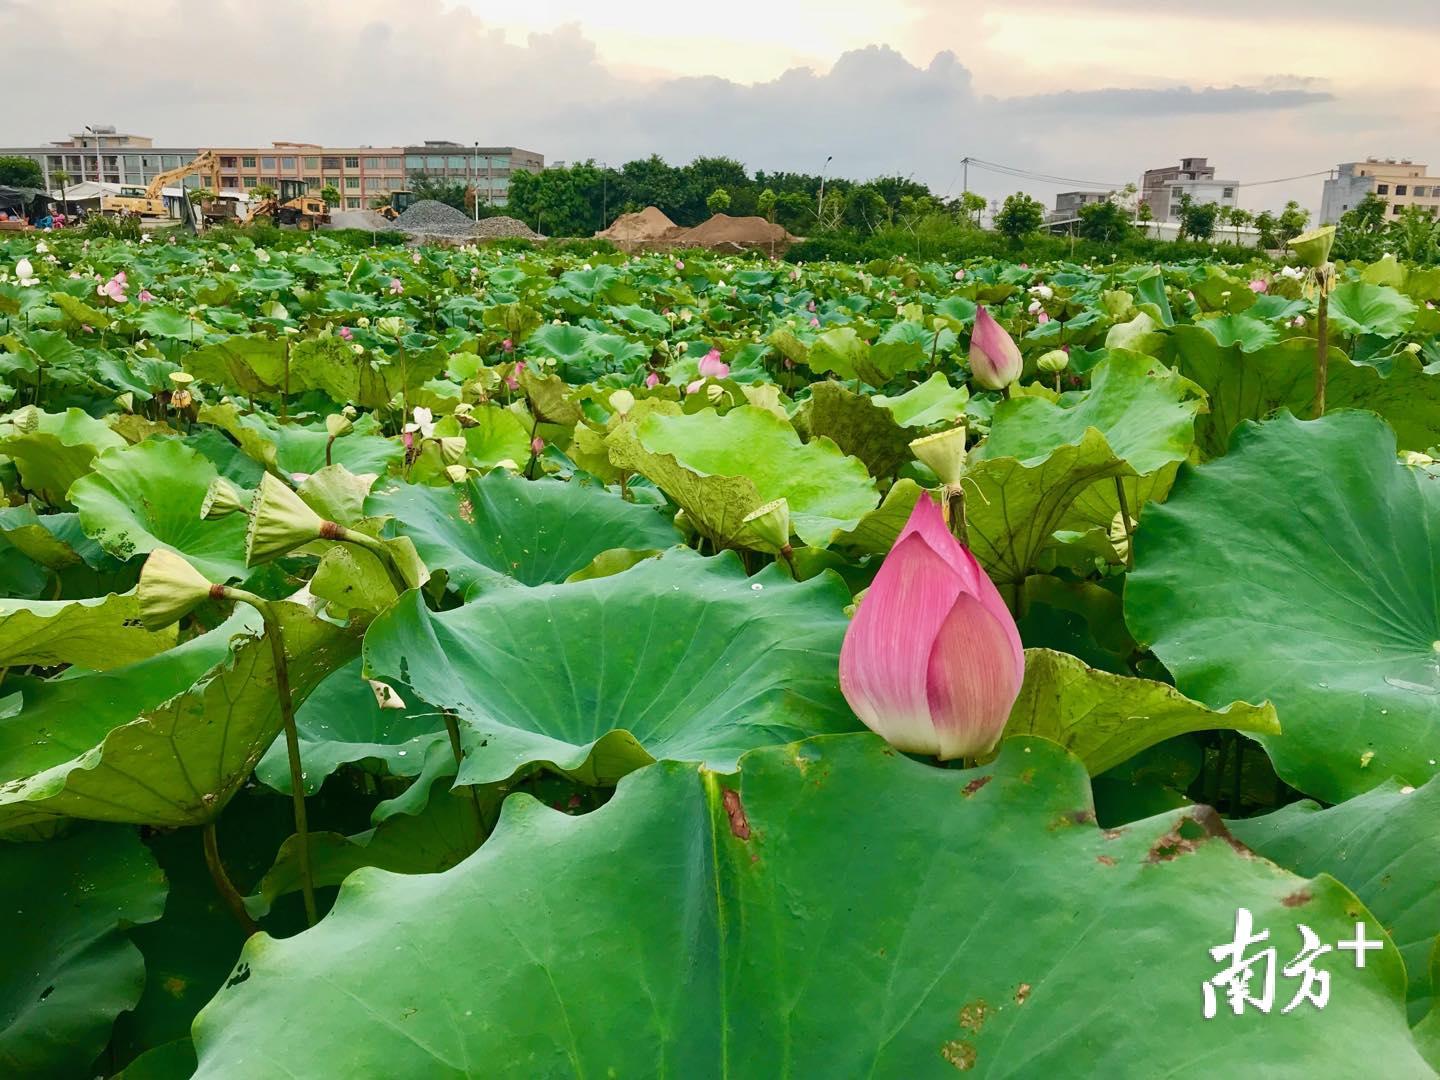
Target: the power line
pixel 1050 178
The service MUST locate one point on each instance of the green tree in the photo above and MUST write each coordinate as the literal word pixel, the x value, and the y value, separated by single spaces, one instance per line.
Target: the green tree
pixel 433 188
pixel 1106 221
pixel 765 204
pixel 61 179
pixel 1292 221
pixel 1415 235
pixel 1197 220
pixel 1269 228
pixel 718 201
pixel 330 195
pixel 972 205
pixel 1020 216
pixel 1144 213
pixel 1240 219
pixel 21 172
pixel 261 192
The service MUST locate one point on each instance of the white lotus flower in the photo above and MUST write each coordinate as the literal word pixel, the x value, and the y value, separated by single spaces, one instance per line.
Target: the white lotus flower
pixel 41 248
pixel 424 422
pixel 25 272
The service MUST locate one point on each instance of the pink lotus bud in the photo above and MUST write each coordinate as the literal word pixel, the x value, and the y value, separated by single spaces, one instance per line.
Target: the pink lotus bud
pixel 408 438
pixel 346 334
pixel 507 345
pixel 512 381
pixel 1043 318
pixel 146 296
pixel 995 359
pixel 396 286
pixel 679 264
pixel 690 388
pixel 712 367
pixel 810 306
pixel 959 275
pixel 1024 266
pixel 814 321
pixel 1259 286
pixel 87 328
pixel 652 380
pixel 932 661
pixel 537 444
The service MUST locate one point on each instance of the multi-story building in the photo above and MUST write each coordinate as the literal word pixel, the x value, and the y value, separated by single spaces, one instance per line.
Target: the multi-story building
pixel 1163 189
pixel 1400 183
pixel 486 168
pixel 360 173
pixel 107 156
pixel 1068 203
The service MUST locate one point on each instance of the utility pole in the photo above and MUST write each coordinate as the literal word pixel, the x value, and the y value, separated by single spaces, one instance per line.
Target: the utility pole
pixel 604 194
pixel 475 179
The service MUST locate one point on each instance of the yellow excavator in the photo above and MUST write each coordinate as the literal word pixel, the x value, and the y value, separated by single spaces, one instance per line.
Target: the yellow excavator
pixel 150 201
pixel 291 206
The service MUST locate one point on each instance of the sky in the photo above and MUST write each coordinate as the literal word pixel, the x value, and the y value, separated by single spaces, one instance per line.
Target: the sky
pixel 1094 91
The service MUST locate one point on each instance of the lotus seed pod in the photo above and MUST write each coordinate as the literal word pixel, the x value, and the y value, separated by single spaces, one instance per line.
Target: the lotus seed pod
pixel 456 473
pixel 622 401
pixel 452 449
pixel 338 424
pixel 280 521
pixel 1054 361
pixel 222 498
pixel 169 589
pixel 1313 248
pixel 943 454
pixel 768 528
pixel 181 378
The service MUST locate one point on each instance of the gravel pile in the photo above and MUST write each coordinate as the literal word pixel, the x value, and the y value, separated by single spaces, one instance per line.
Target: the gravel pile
pixel 495 228
pixel 434 219
pixel 370 220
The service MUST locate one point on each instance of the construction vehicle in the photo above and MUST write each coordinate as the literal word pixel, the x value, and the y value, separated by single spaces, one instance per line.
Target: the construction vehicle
pixel 400 201
pixel 150 200
pixel 291 206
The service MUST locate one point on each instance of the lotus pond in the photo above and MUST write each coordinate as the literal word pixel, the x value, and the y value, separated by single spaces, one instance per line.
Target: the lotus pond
pixel 455 662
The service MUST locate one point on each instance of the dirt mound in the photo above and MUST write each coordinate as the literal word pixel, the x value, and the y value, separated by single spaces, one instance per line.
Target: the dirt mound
pixel 724 231
pixel 645 227
pixel 493 228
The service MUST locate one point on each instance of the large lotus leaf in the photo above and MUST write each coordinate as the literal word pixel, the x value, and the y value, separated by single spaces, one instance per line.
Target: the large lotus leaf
pixel 98 634
pixel 533 531
pixel 53 450
pixel 677 657
pixel 1382 845
pixel 1012 507
pixel 705 461
pixel 1251 386
pixel 1303 568
pixel 55 541
pixel 342 722
pixel 68 968
pixel 934 401
pixel 1104 719
pixel 253 364
pixel 149 496
pixel 292 448
pixel 710 925
pixel 1357 307
pixel 1145 410
pixel 158 742
pixel 1244 331
pixel 907 345
pixel 857 425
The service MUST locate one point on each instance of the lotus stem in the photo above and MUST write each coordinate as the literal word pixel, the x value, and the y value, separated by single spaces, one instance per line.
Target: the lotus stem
pixel 223 885
pixel 375 547
pixel 1322 345
pixel 1125 523
pixel 453 728
pixel 292 739
pixel 955 511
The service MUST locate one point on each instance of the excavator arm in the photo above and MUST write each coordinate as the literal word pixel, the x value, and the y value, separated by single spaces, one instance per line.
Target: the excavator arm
pixel 152 203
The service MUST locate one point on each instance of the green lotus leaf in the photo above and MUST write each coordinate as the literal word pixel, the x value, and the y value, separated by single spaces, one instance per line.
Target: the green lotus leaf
pixel 1012 507
pixel 149 496
pixel 677 657
pixel 1381 845
pixel 254 364
pixel 878 530
pixel 738 874
pixel 839 350
pixel 1303 568
pixel 1357 307
pixel 295 448
pixel 710 464
pixel 68 968
pixel 165 741
pixel 98 634
pixel 53 450
pixel 1105 719
pixel 907 345
pixel 55 541
pixel 1249 333
pixel 857 424
pixel 934 401
pixel 533 531
pixel 1251 386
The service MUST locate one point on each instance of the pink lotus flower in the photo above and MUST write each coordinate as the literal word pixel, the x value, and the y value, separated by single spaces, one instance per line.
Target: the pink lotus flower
pixel 995 359
pixel 512 380
pixel 146 296
pixel 114 288
pixel 932 661
pixel 810 306
pixel 814 321
pixel 87 328
pixel 959 275
pixel 507 345
pixel 537 444
pixel 1259 286
pixel 346 334
pixel 691 387
pixel 1043 318
pixel 415 258
pixel 396 286
pixel 679 264
pixel 712 367
pixel 652 380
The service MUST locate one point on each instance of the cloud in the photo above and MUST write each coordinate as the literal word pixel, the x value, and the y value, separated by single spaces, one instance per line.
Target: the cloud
pixel 356 72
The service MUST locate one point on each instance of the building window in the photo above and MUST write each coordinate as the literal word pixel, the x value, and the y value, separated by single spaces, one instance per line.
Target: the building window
pixel 252 181
pixel 332 163
pixel 414 162
pixel 435 161
pixel 229 182
pixel 287 164
pixel 1382 189
pixel 1229 193
pixel 312 163
pixel 352 162
pixel 352 183
pixel 352 204
pixel 228 162
pixel 500 162
pixel 1421 192
pixel 313 183
pixel 393 164
pixel 372 163
pixel 332 181
pixel 268 164
pixel 1395 209
pixel 1401 189
pixel 247 163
